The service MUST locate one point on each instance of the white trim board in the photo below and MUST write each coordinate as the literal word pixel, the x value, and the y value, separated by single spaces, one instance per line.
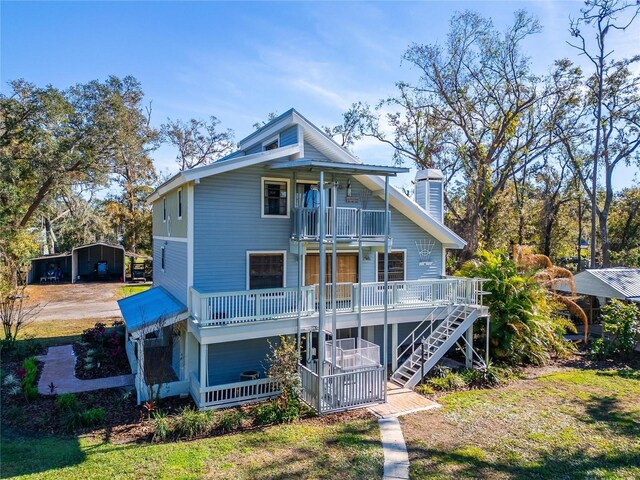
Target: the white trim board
pixel 396 250
pixel 171 239
pixel 275 179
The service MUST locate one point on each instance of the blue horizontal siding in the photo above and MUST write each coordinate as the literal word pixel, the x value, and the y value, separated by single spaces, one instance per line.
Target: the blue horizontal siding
pixel 289 136
pixel 226 361
pixel 174 276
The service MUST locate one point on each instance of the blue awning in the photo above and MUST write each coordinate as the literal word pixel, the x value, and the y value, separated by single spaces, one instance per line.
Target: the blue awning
pixel 147 308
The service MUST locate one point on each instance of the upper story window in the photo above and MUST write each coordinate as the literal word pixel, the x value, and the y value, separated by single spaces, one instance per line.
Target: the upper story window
pixel 275 197
pixel 271 144
pixel 266 270
pixel 396 266
pixel 164 209
pixel 162 258
pixel 180 203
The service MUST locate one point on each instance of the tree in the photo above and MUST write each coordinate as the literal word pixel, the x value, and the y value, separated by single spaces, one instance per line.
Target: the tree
pixel 350 130
pixel 613 97
pixel 198 141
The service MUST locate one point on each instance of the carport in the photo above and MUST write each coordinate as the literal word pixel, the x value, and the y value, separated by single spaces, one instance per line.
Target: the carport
pixel 98 261
pixel 44 265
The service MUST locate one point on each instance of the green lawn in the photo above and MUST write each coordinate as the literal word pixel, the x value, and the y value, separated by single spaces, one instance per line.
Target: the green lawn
pixel 350 450
pixel 570 424
pixel 132 289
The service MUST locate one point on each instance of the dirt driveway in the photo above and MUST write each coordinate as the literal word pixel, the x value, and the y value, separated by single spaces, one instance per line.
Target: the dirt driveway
pixel 76 301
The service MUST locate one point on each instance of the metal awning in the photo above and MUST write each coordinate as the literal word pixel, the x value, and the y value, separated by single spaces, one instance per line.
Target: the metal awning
pixel 308 165
pixel 151 308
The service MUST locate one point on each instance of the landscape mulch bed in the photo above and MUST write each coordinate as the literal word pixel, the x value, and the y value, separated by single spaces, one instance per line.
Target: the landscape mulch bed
pixel 109 367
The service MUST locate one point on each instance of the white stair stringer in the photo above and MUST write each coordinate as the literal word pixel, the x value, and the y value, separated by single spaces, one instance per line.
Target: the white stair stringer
pixel 435 345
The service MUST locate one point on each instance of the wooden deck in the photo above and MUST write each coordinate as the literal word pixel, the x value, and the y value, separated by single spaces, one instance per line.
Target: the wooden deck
pixel 402 401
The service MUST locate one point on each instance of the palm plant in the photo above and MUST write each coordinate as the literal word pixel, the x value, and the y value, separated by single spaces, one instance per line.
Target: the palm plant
pixel 524 326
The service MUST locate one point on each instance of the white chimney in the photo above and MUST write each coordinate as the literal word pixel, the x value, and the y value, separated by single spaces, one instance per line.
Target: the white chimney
pixel 429 192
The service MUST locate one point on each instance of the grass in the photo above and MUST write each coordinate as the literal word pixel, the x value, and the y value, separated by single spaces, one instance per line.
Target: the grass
pixel 567 424
pixel 51 333
pixel 306 450
pixel 132 289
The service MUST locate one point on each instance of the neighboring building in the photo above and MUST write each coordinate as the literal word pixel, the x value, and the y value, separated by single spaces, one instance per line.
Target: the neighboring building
pixel 601 285
pixel 94 261
pixel 237 263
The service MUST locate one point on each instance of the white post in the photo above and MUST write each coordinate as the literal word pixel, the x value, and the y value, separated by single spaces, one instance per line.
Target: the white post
pixel 321 300
pixel 140 384
pixel 360 274
pixel 486 351
pixel 334 274
pixel 386 281
pixel 204 361
pixel 394 347
pixel 468 354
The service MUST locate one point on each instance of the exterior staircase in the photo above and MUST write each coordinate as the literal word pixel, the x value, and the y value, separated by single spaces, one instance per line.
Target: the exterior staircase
pixel 434 345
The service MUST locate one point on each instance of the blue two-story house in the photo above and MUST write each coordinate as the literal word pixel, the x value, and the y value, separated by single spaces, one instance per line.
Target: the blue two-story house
pixel 291 235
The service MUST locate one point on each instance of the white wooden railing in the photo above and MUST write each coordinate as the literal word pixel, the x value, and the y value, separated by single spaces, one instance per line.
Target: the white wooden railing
pixel 251 305
pixel 231 394
pixel 346 390
pixel 309 382
pixel 227 308
pixel 349 221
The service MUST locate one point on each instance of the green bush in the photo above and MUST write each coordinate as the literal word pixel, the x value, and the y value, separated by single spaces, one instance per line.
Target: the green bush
pixel 67 402
pixel 30 392
pixel 92 417
pixel 449 382
pixel 623 322
pixel 193 423
pixel 425 390
pixel 161 426
pixel 599 350
pixel 230 420
pixel 524 327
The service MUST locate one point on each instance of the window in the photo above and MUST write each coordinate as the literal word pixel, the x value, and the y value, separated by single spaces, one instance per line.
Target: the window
pixel 271 144
pixel 275 197
pixel 164 209
pixel 396 266
pixel 266 270
pixel 162 258
pixel 180 203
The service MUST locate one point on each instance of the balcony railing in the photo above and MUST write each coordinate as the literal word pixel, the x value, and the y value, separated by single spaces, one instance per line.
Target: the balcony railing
pixel 350 222
pixel 227 308
pixel 232 394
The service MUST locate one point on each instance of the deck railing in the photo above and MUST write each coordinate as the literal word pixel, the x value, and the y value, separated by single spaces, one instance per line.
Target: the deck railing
pixel 227 308
pixel 231 394
pixel 349 221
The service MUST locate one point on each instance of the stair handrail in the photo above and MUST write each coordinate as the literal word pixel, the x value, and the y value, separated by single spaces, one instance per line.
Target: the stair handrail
pixel 429 318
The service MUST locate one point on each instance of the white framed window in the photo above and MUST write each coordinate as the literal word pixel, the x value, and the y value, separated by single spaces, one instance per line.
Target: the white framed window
pixel 271 144
pixel 266 269
pixel 275 197
pixel 397 266
pixel 179 204
pixel 164 209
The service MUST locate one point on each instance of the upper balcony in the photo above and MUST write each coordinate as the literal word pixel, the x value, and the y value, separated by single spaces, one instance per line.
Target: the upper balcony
pixel 350 223
pixel 233 308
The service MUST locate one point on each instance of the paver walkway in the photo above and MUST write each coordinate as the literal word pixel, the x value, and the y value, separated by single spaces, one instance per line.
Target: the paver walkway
pixel 396 458
pixel 401 401
pixel 59 368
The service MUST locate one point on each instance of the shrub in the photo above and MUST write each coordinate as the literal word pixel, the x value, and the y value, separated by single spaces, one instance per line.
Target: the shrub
pixel 67 402
pixel 192 423
pixel 161 426
pixel 524 327
pixel 92 417
pixel 425 389
pixel 28 373
pixel 10 381
pixel 230 420
pixel 623 321
pixel 283 366
pixel 266 413
pixel 449 382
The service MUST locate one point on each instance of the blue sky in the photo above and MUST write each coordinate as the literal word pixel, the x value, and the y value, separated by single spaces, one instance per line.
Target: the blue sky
pixel 240 61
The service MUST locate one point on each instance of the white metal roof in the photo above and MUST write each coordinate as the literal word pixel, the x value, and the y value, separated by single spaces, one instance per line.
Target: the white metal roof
pixel 620 283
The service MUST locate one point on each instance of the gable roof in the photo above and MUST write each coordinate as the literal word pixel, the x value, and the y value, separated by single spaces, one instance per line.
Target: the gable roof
pixel 620 283
pixel 325 145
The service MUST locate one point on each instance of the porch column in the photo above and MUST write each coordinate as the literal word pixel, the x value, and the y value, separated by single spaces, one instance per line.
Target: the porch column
pixel 322 304
pixel 309 343
pixel 486 351
pixel 394 347
pixel 204 365
pixel 140 384
pixel 468 351
pixel 386 282
pixel 334 273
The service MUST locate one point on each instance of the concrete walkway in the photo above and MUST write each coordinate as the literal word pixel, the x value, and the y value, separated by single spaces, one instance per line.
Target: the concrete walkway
pixel 59 368
pixel 396 458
